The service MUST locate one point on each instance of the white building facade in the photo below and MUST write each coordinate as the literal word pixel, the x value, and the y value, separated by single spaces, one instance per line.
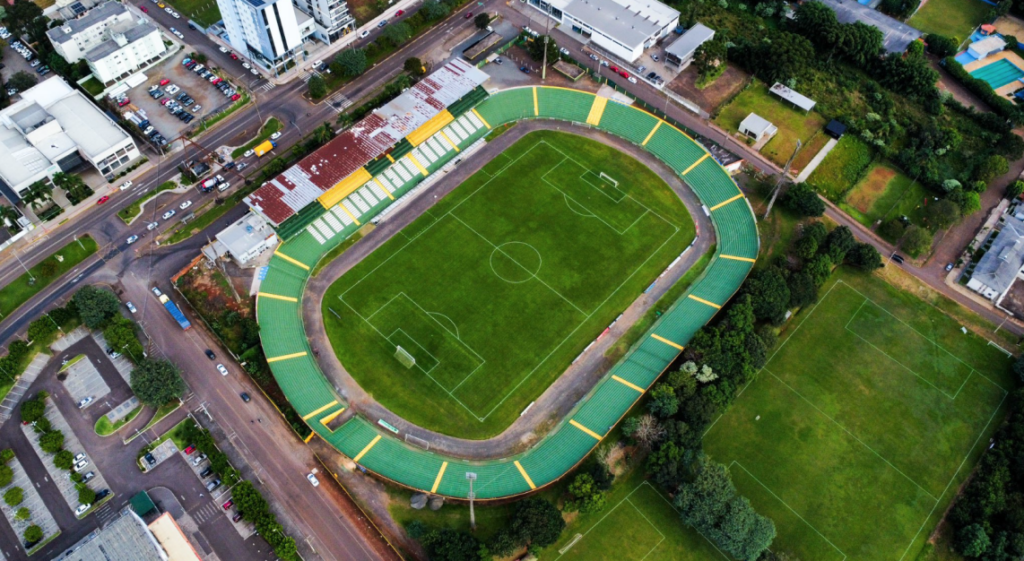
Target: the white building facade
pixel 332 18
pixel 623 28
pixel 111 41
pixel 268 32
pixel 55 128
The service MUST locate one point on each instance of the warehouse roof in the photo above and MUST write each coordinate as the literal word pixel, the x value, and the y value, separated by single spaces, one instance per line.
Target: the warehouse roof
pixel 687 43
pixel 629 23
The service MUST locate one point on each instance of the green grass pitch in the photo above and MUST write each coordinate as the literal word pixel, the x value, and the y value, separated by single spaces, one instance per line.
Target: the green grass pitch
pixel 858 431
pixel 500 285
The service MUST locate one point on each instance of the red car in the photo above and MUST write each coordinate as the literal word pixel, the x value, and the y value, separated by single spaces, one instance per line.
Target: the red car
pixel 228 504
pixel 165 101
pixel 123 102
pixel 623 73
pixel 235 97
pixel 164 82
pixel 190 449
pixel 399 13
pixel 614 68
pixel 469 15
pixel 144 9
pixel 103 199
pixel 216 81
pixel 234 56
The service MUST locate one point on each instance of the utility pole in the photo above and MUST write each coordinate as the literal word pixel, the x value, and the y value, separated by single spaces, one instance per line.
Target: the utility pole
pixel 472 517
pixel 782 177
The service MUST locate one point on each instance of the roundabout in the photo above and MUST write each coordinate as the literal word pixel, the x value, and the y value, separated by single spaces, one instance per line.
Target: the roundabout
pixel 377 448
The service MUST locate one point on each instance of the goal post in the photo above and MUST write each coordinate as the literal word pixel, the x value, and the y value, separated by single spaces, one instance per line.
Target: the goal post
pixel 609 179
pixel 404 357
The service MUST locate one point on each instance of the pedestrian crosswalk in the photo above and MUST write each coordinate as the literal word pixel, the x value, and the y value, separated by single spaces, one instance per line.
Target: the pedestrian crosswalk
pixel 205 513
pixel 339 102
pixel 267 86
pixel 361 202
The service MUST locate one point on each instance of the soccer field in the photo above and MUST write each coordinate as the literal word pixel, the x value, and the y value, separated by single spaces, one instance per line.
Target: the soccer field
pixel 858 431
pixel 496 289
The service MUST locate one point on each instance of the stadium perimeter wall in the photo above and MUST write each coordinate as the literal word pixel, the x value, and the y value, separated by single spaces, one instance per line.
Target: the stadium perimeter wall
pixel 383 453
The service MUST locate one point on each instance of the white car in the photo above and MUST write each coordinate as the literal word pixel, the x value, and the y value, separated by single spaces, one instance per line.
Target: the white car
pixel 156 291
pixel 173 89
pixel 632 80
pixel 254 71
pixel 126 185
pixel 197 108
pixel 81 510
pixel 312 479
pixel 364 35
pixel 276 135
pixel 169 214
pixel 133 239
pixel 81 405
pixel 248 153
pixel 176 15
pixel 131 307
pixel 185 205
pixel 152 226
pixel 317 64
pixel 246 66
pixel 81 465
pixel 179 34
pixel 222 49
pixel 168 9
pixel 79 457
pixel 223 371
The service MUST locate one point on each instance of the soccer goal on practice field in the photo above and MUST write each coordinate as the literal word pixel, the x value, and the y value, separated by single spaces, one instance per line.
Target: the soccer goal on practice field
pixel 609 179
pixel 403 357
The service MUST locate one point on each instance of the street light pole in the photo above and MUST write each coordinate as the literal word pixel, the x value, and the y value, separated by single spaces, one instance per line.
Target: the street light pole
pixel 18 257
pixel 472 517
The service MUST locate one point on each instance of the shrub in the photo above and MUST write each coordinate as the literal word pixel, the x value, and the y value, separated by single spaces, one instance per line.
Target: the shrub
pixel 1002 106
pixel 6 475
pixel 14 496
pixel 940 45
pixel 32 410
pixel 86 496
pixel 64 460
pixel 52 441
pixel 33 534
pixel 6 455
pixel 22 514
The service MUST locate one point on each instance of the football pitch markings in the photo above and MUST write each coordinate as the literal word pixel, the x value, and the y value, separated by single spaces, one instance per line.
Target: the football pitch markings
pixel 938 349
pixel 449 330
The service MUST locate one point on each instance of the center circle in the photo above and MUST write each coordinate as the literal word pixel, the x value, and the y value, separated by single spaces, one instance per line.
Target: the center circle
pixel 515 262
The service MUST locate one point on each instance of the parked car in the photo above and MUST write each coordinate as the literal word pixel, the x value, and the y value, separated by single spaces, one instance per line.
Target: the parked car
pixel 213 485
pixel 198 459
pixel 189 449
pixel 81 404
pixel 132 239
pixel 364 34
pixel 150 459
pixel 156 292
pixel 228 504
pixel 206 472
pixel 169 214
pixel 103 199
pixel 312 479
pixel 126 185
pixel 82 509
pixel 165 81
pixel 248 153
pixel 949 267
pixel 382 23
pixel 152 226
pixel 102 494
pixel 88 476
pixel 79 457
pixel 236 517
pixel 276 135
pixel 245 397
pixel 81 465
pixel 210 355
pixel 131 307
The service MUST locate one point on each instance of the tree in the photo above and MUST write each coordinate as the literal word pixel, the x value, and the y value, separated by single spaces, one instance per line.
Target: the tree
pixel 156 382
pixel 819 268
pixel 350 63
pixel 916 241
pixel 6 455
pixel 769 294
pixel 14 496
pixel 22 514
pixel 778 57
pixel 52 441
pixel 537 522
pixel 838 242
pixel 991 168
pixel 940 45
pixel 892 230
pixel 801 198
pixel 451 545
pixel 435 10
pixel 64 460
pixel 482 20
pixel 95 305
pixel 86 496
pixel 806 247
pixel 317 87
pixel 73 185
pixel 120 335
pixel 865 257
pixel 43 327
pixel 586 497
pixel 33 534
pixel 900 8
pixel 21 81
pixel 817 22
pixel 709 59
pixel 941 214
pixel 663 401
pixel 646 432
pixel 397 34
pixel 1015 189
pixel 1018 369
pixel 414 67
pixel 972 541
pixel 32 410
pixel 38 193
pixel 535 48
pixel 6 475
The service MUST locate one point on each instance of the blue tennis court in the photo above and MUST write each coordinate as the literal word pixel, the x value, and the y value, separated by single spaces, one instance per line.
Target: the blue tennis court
pixel 999 73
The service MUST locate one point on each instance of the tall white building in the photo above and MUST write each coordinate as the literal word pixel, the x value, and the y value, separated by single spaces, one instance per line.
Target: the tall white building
pixel 269 32
pixel 111 41
pixel 54 128
pixel 622 27
pixel 331 16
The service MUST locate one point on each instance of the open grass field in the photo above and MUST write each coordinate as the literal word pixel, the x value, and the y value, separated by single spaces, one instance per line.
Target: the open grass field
pixel 861 427
pixel 952 18
pixel 497 288
pixel 40 276
pixel 842 168
pixel 793 123
pixel 879 194
pixel 204 12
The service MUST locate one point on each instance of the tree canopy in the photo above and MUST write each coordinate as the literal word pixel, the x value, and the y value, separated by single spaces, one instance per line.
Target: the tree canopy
pixel 95 305
pixel 156 382
pixel 317 87
pixel 349 63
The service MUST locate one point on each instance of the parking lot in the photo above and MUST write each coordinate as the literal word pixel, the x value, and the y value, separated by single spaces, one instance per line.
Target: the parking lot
pixel 163 452
pixel 199 463
pixel 83 381
pixel 15 62
pixel 40 514
pixel 207 97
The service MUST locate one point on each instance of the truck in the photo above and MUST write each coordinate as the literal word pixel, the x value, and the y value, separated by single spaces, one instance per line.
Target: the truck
pixel 175 312
pixel 264 148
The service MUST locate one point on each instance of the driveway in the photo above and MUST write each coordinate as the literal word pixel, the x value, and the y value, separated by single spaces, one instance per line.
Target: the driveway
pixel 897 34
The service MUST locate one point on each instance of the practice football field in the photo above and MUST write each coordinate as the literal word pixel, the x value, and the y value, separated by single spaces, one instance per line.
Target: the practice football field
pixel 858 431
pixel 494 291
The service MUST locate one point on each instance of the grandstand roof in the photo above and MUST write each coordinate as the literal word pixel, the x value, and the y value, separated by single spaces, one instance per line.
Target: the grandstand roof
pixel 301 184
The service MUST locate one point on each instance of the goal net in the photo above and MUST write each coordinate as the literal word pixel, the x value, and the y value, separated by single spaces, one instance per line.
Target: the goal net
pixel 404 358
pixel 609 179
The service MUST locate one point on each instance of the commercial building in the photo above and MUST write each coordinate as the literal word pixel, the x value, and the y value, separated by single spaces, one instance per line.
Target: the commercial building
pixel 268 32
pixel 332 18
pixel 1002 263
pixel 621 27
pixel 125 538
pixel 173 541
pixel 112 42
pixel 680 52
pixel 55 128
pixel 243 241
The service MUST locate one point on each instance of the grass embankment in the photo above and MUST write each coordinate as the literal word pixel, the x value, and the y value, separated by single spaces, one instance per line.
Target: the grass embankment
pixel 271 126
pixel 163 411
pixel 104 427
pixel 128 213
pixel 45 272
